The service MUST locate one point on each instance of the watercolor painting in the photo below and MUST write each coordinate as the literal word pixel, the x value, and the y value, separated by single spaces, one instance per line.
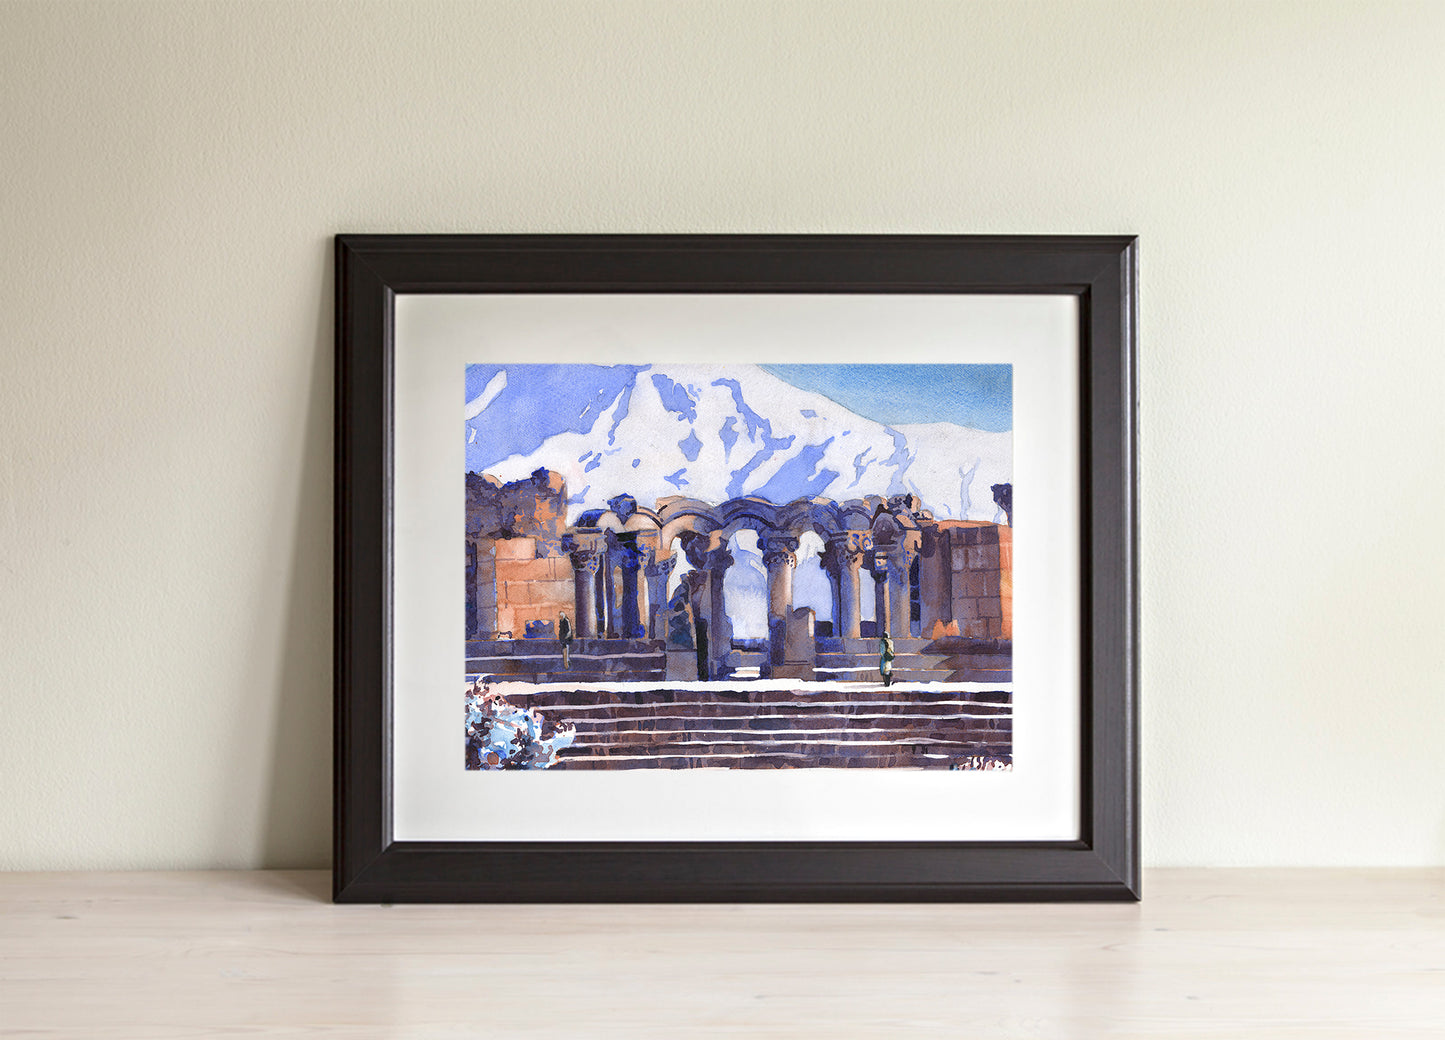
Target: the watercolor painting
pixel 739 566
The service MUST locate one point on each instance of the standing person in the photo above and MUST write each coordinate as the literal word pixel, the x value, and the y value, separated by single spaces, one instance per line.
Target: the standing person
pixel 885 659
pixel 564 633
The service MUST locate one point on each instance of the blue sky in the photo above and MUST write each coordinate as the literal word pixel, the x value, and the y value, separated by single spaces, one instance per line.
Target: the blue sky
pixel 537 402
pixel 980 396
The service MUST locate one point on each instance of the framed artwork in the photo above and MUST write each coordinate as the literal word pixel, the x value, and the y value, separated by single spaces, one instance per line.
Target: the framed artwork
pixel 724 568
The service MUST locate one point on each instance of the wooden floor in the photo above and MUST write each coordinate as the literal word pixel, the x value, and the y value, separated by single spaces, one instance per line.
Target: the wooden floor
pixel 1355 955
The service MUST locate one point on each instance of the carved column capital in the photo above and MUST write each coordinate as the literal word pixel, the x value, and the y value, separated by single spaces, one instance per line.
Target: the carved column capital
pixel 585 561
pixel 846 551
pixel 778 549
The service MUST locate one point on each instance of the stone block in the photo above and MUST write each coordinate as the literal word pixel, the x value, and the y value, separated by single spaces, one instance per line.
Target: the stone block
pixel 777 640
pixel 556 594
pixel 990 583
pixel 977 628
pixel 516 548
pixel 800 639
pixel 983 557
pixel 988 607
pixel 960 560
pixel 523 614
pixel 478 648
pixel 526 570
pixel 529 594
pixel 682 665
pixel 965 607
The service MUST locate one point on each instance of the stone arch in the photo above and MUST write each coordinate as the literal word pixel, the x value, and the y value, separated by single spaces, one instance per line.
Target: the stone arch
pixel 756 514
pixel 676 515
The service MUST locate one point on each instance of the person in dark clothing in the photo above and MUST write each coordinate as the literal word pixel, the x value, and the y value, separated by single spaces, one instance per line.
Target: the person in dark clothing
pixel 564 633
pixel 885 659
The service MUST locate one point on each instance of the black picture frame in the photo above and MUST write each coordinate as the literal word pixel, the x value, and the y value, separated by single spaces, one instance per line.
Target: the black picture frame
pixel 369 866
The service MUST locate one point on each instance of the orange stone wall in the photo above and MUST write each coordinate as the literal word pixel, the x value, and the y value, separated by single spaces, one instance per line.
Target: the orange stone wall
pixel 981 555
pixel 1006 579
pixel 527 588
pixel 522 574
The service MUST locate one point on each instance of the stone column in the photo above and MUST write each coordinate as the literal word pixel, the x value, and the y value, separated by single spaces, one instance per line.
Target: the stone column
pixel 878 567
pixel 835 587
pixel 719 627
pixel 609 594
pixel 584 588
pixel 657 572
pixel 899 559
pixel 842 559
pixel 629 558
pixel 599 595
pixel 696 584
pixel 780 556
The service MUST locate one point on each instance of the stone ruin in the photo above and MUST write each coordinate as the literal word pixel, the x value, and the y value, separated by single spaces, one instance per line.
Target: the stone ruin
pixel 938 585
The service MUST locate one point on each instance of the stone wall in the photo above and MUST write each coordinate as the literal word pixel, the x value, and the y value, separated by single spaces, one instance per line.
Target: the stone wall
pixel 532 508
pixel 528 588
pixel 981 578
pixel 521 575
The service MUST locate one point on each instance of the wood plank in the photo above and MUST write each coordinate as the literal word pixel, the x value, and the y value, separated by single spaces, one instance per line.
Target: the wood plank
pixel 1332 954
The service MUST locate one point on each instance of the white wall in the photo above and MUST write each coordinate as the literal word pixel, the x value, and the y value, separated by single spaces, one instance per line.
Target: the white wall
pixel 171 175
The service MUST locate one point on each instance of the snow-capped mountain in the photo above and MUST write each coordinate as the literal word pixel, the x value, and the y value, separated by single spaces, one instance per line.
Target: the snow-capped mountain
pixel 716 432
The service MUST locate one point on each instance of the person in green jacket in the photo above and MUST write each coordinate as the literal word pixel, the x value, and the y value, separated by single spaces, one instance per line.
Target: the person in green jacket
pixel 885 659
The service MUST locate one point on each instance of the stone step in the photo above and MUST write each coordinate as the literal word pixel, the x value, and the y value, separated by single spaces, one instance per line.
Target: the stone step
pixel 988 662
pixel 969 675
pixel 946 645
pixel 760 700
pixel 837 746
pixel 562 677
pixel 830 729
pixel 543 647
pixel 744 658
pixel 913 676
pixel 607 669
pixel 851 662
pixel 576 655
pixel 897 758
pixel 729 730
pixel 593 739
pixel 632 716
pixel 970 668
pixel 770 716
pixel 868 645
